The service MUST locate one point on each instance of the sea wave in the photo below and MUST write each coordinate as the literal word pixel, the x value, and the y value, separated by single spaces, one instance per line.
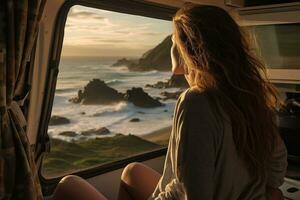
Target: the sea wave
pixel 120 68
pixel 115 117
pixel 113 82
pixel 152 72
pixel 63 90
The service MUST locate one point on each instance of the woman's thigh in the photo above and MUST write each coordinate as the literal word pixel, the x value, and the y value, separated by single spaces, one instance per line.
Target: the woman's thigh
pixel 139 181
pixel 76 188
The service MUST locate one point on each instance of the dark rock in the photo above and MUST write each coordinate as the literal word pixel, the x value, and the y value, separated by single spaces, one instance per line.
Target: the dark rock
pixel 74 100
pixel 100 131
pixel 78 98
pixel 159 85
pixel 166 110
pixel 141 99
pixel 82 113
pixel 135 120
pixel 171 95
pixel 158 58
pixel 58 120
pixel 176 81
pixel 97 92
pixel 68 133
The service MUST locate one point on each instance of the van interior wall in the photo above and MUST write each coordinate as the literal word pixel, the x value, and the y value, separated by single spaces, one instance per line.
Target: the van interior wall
pixel 40 67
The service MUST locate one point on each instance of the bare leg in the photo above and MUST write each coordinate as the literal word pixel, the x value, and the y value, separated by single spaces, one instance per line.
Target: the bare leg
pixel 138 182
pixel 75 188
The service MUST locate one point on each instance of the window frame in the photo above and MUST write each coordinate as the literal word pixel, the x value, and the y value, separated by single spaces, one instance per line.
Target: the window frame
pixel 134 7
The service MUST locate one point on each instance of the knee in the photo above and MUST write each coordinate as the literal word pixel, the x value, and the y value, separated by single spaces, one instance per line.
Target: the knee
pixel 67 182
pixel 131 172
pixel 65 186
pixel 69 179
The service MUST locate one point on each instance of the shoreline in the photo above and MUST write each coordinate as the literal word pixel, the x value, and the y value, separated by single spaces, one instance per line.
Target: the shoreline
pixel 160 136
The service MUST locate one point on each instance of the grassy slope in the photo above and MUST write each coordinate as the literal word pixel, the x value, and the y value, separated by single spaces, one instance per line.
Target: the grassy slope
pixel 66 157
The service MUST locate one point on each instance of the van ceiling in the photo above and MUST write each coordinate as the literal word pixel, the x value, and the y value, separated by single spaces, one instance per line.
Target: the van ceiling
pixel 266 2
pixel 179 3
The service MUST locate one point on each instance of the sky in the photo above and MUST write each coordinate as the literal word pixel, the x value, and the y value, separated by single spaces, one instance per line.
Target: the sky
pixel 94 32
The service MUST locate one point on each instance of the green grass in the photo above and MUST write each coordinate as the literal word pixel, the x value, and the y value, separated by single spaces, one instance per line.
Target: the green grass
pixel 66 157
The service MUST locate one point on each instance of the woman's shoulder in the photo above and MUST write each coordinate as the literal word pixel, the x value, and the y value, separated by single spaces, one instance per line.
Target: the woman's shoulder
pixel 193 97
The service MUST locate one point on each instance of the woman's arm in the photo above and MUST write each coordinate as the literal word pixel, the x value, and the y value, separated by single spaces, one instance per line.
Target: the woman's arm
pixel 193 158
pixel 276 171
pixel 197 148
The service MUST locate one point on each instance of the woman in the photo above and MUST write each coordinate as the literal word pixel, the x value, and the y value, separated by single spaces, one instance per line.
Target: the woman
pixel 224 142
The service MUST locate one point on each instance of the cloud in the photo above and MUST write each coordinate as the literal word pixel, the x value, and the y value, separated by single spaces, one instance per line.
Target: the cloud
pixel 73 50
pixel 69 25
pixel 122 31
pixel 109 40
pixel 84 15
pixel 104 31
pixel 150 33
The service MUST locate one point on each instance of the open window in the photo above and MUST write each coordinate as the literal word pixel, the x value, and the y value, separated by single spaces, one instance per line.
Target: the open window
pixel 114 95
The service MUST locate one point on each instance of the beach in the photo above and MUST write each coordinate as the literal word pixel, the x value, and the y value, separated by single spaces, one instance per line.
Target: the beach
pixel 159 136
pixel 92 135
pixel 75 73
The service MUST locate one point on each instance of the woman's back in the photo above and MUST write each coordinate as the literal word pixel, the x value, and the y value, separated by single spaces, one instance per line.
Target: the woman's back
pixel 202 160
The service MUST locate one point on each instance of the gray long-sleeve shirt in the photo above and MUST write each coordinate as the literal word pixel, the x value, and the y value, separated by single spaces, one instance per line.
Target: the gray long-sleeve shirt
pixel 202 151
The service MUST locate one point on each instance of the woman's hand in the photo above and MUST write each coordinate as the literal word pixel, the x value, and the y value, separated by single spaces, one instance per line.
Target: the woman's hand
pixel 273 194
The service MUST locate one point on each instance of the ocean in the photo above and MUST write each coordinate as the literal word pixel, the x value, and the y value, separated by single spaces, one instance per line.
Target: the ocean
pixel 75 73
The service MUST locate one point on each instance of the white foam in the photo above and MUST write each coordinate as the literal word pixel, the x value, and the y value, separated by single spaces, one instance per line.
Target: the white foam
pixel 114 117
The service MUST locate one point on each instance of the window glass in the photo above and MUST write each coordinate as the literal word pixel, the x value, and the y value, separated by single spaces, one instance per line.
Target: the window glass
pixel 115 95
pixel 288 124
pixel 278 45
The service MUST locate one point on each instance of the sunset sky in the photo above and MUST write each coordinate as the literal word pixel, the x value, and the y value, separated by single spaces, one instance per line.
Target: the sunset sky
pixel 94 32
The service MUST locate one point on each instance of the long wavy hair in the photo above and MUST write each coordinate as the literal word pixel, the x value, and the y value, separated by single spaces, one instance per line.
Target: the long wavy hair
pixel 217 57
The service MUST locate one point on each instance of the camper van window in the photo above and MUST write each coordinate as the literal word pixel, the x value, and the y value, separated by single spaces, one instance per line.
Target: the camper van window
pixel 278 45
pixel 115 95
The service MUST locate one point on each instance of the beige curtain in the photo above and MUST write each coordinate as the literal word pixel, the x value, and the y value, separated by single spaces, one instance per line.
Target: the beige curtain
pixel 19 22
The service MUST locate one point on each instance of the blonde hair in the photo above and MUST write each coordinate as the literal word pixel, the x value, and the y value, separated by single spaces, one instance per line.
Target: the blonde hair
pixel 218 59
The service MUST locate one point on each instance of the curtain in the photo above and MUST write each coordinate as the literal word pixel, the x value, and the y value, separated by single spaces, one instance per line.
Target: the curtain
pixel 19 22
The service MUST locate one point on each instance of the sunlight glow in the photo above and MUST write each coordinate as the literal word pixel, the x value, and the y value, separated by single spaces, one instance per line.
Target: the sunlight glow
pixel 94 32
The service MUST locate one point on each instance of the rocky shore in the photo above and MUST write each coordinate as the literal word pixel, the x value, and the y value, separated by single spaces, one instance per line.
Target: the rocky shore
pixel 158 58
pixel 98 92
pixel 176 81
